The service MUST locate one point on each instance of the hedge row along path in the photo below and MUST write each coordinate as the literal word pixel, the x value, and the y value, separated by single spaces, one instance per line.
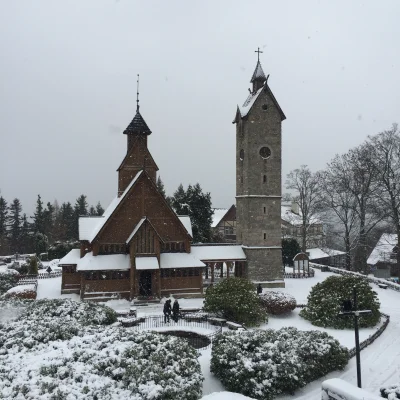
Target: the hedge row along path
pixel 380 361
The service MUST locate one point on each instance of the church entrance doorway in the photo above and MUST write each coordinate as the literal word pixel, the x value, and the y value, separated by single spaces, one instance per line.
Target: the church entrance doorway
pixel 145 283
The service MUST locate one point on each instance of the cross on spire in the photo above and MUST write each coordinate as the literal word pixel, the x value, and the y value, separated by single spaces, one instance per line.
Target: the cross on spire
pixel 258 55
pixel 137 94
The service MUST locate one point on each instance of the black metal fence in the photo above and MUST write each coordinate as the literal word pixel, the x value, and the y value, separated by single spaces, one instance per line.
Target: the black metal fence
pixel 299 275
pixel 183 327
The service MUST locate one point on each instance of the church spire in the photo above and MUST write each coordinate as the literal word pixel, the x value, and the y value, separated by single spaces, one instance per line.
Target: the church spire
pixel 258 77
pixel 138 126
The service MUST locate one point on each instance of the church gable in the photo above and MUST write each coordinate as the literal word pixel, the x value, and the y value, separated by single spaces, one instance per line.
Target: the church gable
pixel 142 200
pixel 144 239
pixel 138 156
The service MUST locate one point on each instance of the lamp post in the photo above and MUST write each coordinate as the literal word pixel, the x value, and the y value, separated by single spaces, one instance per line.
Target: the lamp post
pixel 350 309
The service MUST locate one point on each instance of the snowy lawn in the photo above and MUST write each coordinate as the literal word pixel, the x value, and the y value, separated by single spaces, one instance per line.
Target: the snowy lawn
pixel 380 361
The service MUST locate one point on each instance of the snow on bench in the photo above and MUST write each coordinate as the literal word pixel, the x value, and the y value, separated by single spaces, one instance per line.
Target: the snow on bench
pixel 233 325
pixel 217 321
pixel 382 285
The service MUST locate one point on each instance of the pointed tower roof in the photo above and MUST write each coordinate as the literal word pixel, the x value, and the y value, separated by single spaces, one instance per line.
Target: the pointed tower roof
pixel 258 74
pixel 137 126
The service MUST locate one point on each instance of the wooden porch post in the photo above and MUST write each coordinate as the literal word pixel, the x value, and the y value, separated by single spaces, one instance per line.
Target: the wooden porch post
pixel 82 284
pixel 207 264
pixel 228 264
pixel 212 272
pixel 159 283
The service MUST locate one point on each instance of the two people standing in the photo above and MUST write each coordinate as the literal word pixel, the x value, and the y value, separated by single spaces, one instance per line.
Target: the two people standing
pixel 167 311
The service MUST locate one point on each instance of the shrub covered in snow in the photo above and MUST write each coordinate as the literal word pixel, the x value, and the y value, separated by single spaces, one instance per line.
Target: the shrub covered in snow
pixel 391 392
pixel 7 281
pixel 236 300
pixel 262 364
pixel 276 302
pixel 59 349
pixel 103 364
pixel 326 298
pixel 42 321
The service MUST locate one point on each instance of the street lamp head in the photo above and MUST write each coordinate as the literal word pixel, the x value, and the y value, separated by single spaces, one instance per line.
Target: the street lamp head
pixel 347 306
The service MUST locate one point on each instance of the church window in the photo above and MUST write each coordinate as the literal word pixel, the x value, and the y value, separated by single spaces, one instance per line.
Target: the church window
pixel 241 155
pixel 265 236
pixel 265 152
pixel 264 107
pixel 265 210
pixel 265 179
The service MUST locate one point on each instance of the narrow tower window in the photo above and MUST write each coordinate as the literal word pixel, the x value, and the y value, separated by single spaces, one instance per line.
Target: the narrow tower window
pixel 265 210
pixel 264 107
pixel 241 154
pixel 265 236
pixel 265 179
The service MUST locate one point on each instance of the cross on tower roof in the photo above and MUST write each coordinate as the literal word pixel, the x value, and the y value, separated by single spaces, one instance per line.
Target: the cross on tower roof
pixel 258 55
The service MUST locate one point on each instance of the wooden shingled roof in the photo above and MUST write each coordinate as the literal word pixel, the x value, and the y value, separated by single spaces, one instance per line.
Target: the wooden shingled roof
pixel 137 126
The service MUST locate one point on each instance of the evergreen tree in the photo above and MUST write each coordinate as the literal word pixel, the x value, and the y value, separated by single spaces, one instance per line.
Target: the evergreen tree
pixel 99 209
pixel 48 221
pixel 25 238
pixel 197 205
pixel 200 213
pixel 66 222
pixel 14 224
pixel 41 243
pixel 179 201
pixel 38 217
pixel 160 187
pixel 290 247
pixel 3 227
pixel 92 211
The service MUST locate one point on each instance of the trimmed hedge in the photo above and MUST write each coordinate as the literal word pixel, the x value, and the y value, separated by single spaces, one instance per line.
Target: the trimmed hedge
pixel 235 299
pixel 7 281
pixel 262 364
pixel 326 298
pixel 276 302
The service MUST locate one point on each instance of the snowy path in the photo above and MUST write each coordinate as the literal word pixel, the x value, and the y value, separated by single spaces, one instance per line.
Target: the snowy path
pixel 380 362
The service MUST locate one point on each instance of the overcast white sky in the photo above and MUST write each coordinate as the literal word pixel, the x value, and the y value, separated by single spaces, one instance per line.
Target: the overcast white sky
pixel 68 87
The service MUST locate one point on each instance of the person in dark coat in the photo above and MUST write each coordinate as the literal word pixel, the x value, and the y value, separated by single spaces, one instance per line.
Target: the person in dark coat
pixel 259 289
pixel 167 310
pixel 175 311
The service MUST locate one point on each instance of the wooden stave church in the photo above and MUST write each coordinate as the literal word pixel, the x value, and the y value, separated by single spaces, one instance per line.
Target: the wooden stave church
pixel 140 247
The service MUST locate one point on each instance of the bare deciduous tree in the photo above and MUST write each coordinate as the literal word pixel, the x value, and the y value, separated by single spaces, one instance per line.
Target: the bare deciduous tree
pixel 384 150
pixel 336 197
pixel 307 196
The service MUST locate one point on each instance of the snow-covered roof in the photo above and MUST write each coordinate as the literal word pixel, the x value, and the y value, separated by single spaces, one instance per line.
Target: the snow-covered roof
pixel 219 213
pixel 185 219
pixel 135 229
pixel 87 225
pixel 146 263
pixel 180 260
pixel 246 107
pixel 104 262
pixel 218 253
pixel 316 253
pixel 295 219
pixel 71 258
pixel 383 249
pixel 96 227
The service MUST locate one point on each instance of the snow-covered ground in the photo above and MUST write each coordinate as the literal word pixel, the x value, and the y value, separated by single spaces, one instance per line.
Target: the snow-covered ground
pixel 380 361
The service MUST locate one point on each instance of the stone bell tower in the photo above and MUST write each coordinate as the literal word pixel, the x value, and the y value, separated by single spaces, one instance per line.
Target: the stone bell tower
pixel 259 181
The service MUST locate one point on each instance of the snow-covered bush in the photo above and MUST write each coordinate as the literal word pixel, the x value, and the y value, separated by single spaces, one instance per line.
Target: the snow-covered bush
pixel 276 302
pixel 105 363
pixel 391 392
pixel 42 321
pixel 236 300
pixel 262 364
pixel 7 281
pixel 326 298
pixel 22 292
